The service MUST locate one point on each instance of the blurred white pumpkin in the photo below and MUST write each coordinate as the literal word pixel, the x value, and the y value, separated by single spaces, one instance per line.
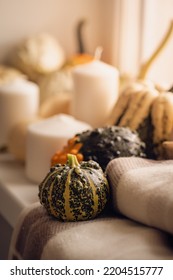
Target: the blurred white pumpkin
pixel 38 55
pixel 55 83
pixel 9 74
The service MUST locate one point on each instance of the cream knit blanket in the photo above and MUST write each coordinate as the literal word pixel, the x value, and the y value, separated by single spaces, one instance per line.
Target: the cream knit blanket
pixel 39 236
pixel 143 190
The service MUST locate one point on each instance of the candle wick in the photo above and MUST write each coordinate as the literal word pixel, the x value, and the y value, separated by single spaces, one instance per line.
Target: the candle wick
pixel 98 53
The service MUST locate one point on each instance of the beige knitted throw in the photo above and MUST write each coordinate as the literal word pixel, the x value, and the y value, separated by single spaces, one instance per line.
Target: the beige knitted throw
pixel 141 190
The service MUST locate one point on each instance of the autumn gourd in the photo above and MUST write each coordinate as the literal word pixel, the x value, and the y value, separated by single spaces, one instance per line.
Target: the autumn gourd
pixel 149 112
pixel 73 191
pixel 133 110
pixel 81 56
pixel 37 56
pixel 162 121
pixel 102 145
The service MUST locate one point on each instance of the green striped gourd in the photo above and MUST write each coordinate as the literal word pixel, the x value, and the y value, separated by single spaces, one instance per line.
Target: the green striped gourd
pixel 73 191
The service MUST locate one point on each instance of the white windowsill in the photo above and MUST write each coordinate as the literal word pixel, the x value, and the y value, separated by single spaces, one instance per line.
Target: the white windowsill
pixel 16 191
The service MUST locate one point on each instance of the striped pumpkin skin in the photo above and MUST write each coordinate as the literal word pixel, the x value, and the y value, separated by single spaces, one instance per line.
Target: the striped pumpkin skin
pixel 74 193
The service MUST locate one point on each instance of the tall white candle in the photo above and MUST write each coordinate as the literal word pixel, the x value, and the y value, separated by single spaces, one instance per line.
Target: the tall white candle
pixel 95 92
pixel 19 100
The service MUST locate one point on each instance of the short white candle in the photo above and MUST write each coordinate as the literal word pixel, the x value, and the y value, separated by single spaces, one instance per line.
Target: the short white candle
pixel 95 92
pixel 44 138
pixel 19 100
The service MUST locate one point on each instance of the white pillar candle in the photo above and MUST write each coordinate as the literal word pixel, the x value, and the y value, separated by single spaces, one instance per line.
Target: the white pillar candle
pixel 95 92
pixel 44 138
pixel 19 100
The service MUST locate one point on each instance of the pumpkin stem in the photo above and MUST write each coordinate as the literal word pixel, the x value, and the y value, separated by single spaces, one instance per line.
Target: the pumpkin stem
pixel 81 47
pixel 72 160
pixel 146 66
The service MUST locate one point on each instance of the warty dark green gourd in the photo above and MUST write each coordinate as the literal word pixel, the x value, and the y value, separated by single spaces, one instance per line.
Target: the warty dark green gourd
pixel 73 191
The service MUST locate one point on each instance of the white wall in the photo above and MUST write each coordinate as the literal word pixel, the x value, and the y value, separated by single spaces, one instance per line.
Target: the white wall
pixel 22 18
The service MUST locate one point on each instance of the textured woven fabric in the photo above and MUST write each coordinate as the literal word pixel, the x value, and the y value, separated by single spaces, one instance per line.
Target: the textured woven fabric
pixel 39 236
pixel 143 190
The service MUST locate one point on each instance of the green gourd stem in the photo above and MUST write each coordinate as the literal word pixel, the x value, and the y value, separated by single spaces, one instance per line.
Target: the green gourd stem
pixel 72 160
pixel 146 66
